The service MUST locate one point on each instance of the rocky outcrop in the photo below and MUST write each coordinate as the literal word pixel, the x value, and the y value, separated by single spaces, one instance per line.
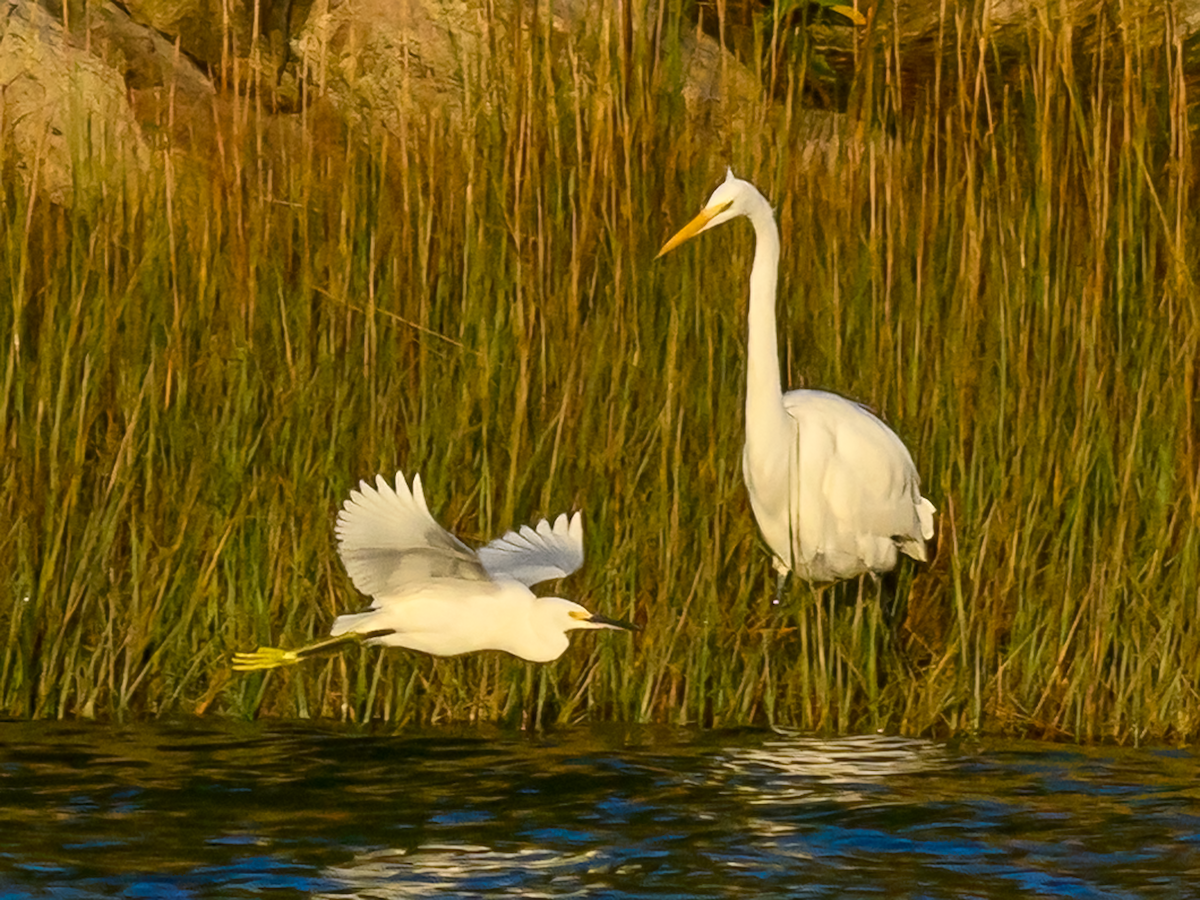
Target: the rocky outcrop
pixel 382 61
pixel 98 90
pixel 65 121
pixel 83 95
pixel 923 38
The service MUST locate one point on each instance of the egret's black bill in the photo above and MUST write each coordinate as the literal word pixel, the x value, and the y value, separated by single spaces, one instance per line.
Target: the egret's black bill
pixel 598 619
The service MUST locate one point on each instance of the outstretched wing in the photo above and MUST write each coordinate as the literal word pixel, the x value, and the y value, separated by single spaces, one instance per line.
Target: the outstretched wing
pixel 388 541
pixel 536 554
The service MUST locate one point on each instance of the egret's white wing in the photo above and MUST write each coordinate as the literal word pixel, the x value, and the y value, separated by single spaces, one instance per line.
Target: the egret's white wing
pixel 536 554
pixel 388 541
pixel 856 481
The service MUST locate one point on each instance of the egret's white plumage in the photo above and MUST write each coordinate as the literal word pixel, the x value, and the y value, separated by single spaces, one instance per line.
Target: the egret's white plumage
pixel 833 489
pixel 433 593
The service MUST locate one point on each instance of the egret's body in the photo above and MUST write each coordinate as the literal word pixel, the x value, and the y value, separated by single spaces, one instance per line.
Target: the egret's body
pixel 833 489
pixel 431 592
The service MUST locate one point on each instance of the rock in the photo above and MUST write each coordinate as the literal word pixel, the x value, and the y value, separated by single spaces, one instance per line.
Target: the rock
pixel 208 30
pixel 383 61
pixel 145 59
pixel 717 89
pixel 65 123
pixel 924 35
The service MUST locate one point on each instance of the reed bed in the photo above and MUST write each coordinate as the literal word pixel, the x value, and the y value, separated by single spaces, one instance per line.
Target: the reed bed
pixel 204 361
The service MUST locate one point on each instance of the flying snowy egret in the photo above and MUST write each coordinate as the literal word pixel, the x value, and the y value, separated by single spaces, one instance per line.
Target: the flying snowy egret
pixel 431 592
pixel 833 489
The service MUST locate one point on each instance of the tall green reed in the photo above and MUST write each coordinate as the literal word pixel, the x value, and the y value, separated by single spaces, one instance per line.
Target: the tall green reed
pixel 207 365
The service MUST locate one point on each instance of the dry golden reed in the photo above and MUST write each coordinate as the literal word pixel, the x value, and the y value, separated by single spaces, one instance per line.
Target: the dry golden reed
pixel 996 259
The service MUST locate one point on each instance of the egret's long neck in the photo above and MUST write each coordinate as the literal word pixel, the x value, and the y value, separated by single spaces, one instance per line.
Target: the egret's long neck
pixel 764 395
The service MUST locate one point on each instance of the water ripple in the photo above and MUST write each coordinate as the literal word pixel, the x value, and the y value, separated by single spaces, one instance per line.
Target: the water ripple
pixel 197 810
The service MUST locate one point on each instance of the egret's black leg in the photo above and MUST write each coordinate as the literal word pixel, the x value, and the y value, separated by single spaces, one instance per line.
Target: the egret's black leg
pixel 781 577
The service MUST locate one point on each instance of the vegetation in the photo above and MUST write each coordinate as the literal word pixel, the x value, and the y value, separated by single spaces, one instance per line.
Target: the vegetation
pixel 200 365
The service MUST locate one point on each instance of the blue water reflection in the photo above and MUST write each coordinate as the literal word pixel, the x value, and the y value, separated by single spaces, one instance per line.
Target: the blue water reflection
pixel 203 810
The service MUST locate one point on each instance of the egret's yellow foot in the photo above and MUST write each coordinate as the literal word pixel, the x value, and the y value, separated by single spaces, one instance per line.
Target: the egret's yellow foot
pixel 264 658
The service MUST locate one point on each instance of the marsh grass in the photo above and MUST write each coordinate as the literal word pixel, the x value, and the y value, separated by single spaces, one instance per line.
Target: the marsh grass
pixel 203 362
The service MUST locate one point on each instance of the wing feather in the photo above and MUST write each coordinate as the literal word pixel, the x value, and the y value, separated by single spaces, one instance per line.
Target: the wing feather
pixel 537 554
pixel 858 489
pixel 388 540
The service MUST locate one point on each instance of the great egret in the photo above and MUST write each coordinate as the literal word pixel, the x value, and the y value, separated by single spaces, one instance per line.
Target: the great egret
pixel 431 592
pixel 833 489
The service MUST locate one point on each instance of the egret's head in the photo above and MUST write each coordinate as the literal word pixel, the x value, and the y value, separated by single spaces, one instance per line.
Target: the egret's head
pixel 575 616
pixel 732 198
pixel 552 618
pixel 566 615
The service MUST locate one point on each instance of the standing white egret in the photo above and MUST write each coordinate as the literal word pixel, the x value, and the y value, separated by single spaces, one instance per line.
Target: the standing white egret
pixel 833 489
pixel 431 592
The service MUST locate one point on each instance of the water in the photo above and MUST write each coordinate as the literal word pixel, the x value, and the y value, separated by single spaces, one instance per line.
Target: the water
pixel 296 810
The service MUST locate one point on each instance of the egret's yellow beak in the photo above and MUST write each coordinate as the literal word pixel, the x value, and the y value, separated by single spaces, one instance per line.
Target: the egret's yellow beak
pixel 691 229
